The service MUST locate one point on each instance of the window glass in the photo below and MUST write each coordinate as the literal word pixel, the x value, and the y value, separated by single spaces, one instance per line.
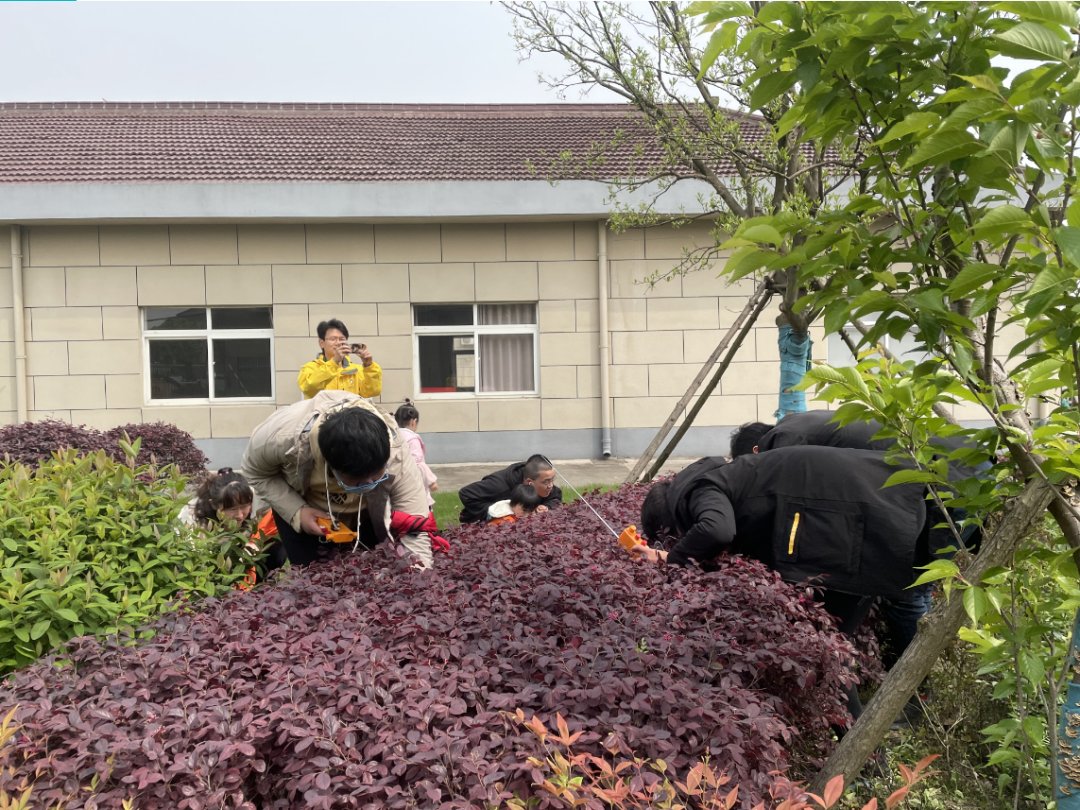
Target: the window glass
pixel 507 313
pixel 210 354
pixel 178 369
pixel 242 367
pixel 506 363
pixel 175 318
pixel 241 318
pixel 447 364
pixel 443 315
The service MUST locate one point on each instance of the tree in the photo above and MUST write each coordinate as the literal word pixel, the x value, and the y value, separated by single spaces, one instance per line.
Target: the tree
pixel 646 54
pixel 962 221
pixel 906 181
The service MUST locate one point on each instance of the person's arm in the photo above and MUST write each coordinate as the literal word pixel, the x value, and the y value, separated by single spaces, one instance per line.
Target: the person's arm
pixel 479 495
pixel 713 529
pixel 318 374
pixel 416 447
pixel 263 467
pixel 370 380
pixel 409 495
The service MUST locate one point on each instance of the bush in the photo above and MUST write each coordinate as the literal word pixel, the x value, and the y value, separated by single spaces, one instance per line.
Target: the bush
pixel 91 545
pixel 365 683
pixel 33 442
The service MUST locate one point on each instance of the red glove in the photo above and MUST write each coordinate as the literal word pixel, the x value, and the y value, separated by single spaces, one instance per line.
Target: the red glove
pixel 404 523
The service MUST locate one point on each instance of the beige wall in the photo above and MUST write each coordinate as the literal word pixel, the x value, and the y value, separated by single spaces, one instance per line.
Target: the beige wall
pixel 85 286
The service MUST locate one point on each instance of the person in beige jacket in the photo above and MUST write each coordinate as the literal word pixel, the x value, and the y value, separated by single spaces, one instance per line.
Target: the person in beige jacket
pixel 336 457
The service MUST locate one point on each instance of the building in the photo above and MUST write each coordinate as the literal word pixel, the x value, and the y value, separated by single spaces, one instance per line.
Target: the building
pixel 169 262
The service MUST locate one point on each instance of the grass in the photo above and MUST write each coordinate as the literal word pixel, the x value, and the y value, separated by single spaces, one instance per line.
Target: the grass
pixel 448 505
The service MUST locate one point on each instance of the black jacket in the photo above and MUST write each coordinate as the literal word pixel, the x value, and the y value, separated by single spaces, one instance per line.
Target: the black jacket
pixel 479 495
pixel 814 514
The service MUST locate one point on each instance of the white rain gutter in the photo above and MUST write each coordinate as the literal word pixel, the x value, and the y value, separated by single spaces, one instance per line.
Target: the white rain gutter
pixel 18 323
pixel 605 340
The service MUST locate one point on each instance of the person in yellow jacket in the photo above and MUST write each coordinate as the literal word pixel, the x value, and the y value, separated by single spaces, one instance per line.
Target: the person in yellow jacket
pixel 333 370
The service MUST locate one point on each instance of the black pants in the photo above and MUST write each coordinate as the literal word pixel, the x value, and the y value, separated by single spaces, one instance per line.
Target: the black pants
pixel 849 610
pixel 301 548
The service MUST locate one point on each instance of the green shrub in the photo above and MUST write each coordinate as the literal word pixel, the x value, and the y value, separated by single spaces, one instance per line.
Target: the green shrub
pixel 89 545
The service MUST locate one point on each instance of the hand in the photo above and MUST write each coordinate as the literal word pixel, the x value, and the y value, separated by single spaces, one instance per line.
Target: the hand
pixel 365 355
pixel 434 487
pixel 308 517
pixel 340 352
pixel 541 508
pixel 652 555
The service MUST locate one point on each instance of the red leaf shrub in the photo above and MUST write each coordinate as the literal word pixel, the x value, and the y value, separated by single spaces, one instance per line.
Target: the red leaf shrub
pixel 365 683
pixel 31 442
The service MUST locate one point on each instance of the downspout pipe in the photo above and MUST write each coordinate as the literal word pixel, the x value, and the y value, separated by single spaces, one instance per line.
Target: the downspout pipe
pixel 19 323
pixel 605 339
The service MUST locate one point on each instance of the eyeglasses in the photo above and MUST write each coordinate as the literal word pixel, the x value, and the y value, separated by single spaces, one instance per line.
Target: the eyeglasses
pixel 367 486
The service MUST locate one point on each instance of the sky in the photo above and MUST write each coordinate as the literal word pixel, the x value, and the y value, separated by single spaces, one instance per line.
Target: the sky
pixel 379 52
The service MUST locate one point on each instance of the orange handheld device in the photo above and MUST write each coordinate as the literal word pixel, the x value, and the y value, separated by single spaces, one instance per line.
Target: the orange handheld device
pixel 335 532
pixel 629 538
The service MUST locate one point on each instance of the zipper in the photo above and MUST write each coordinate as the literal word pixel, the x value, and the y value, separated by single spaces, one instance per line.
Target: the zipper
pixel 791 536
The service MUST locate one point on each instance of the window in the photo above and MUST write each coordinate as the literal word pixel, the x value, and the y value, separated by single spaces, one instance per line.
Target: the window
pixel 475 348
pixel 902 348
pixel 208 354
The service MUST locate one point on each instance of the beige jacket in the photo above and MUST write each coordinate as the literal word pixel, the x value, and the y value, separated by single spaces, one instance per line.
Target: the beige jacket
pixel 281 456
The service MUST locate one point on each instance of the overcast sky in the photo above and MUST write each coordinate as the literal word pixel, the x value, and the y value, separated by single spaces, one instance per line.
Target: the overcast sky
pixel 420 52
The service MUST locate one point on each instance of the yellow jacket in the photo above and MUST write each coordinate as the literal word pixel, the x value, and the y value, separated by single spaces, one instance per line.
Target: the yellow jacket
pixel 326 375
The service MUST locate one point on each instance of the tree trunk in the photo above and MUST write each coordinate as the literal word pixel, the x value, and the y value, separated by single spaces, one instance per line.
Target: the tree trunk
pixel 794 362
pixel 1067 753
pixel 939 629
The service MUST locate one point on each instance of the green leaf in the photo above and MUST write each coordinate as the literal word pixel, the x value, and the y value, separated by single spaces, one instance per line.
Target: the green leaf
pixel 974 604
pixel 745 260
pixel 942 147
pixel 1029 40
pixel 909 477
pixel 1003 219
pixel 770 87
pixel 1059 13
pixel 1047 279
pixel 1032 668
pixel 69 614
pixel 761 233
pixel 971 277
pixel 39 629
pixel 722 39
pixel 1072 213
pixel 983 82
pixel 1068 241
pixel 916 122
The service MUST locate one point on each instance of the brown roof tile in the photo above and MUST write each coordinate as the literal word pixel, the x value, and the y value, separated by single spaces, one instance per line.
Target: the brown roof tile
pixel 178 142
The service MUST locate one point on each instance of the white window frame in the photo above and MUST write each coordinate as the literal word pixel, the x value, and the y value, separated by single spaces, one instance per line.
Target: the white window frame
pixel 475 331
pixel 208 335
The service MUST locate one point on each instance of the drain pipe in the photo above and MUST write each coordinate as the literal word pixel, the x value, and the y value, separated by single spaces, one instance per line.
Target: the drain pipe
pixel 605 340
pixel 18 323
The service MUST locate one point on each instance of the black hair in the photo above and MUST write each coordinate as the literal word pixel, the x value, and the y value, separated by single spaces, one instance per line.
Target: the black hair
pixel 525 495
pixel 534 465
pixel 657 520
pixel 355 441
pixel 326 326
pixel 405 413
pixel 746 437
pixel 224 489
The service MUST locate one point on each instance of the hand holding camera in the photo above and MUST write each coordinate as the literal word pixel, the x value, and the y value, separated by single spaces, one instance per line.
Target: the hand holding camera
pixel 363 352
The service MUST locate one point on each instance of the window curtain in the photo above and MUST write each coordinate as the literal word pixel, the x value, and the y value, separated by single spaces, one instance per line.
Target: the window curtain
pixel 506 361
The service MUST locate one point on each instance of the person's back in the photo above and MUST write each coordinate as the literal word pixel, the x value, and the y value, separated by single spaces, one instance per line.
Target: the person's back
pixel 809 512
pixel 818 428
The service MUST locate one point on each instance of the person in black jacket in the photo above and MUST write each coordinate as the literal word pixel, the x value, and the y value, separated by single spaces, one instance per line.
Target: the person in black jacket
pixel 813 514
pixel 901 613
pixel 536 470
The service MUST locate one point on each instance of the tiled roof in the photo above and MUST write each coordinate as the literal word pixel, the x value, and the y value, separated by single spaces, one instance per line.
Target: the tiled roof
pixel 207 142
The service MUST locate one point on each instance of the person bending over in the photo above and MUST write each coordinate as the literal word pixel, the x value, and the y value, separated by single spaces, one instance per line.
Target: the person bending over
pixel 335 463
pixel 536 471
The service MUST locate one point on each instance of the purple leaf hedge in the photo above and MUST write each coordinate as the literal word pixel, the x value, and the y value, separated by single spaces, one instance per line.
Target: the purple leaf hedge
pixel 162 443
pixel 364 683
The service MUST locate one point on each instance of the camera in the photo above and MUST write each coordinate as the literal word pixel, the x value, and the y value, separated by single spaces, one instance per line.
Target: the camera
pixel 357 347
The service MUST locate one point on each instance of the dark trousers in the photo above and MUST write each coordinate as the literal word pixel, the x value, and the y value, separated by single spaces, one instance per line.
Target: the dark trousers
pixel 849 610
pixel 301 548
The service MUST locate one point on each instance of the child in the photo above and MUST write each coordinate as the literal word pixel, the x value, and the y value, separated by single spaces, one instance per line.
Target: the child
pixel 407 418
pixel 523 501
pixel 224 495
